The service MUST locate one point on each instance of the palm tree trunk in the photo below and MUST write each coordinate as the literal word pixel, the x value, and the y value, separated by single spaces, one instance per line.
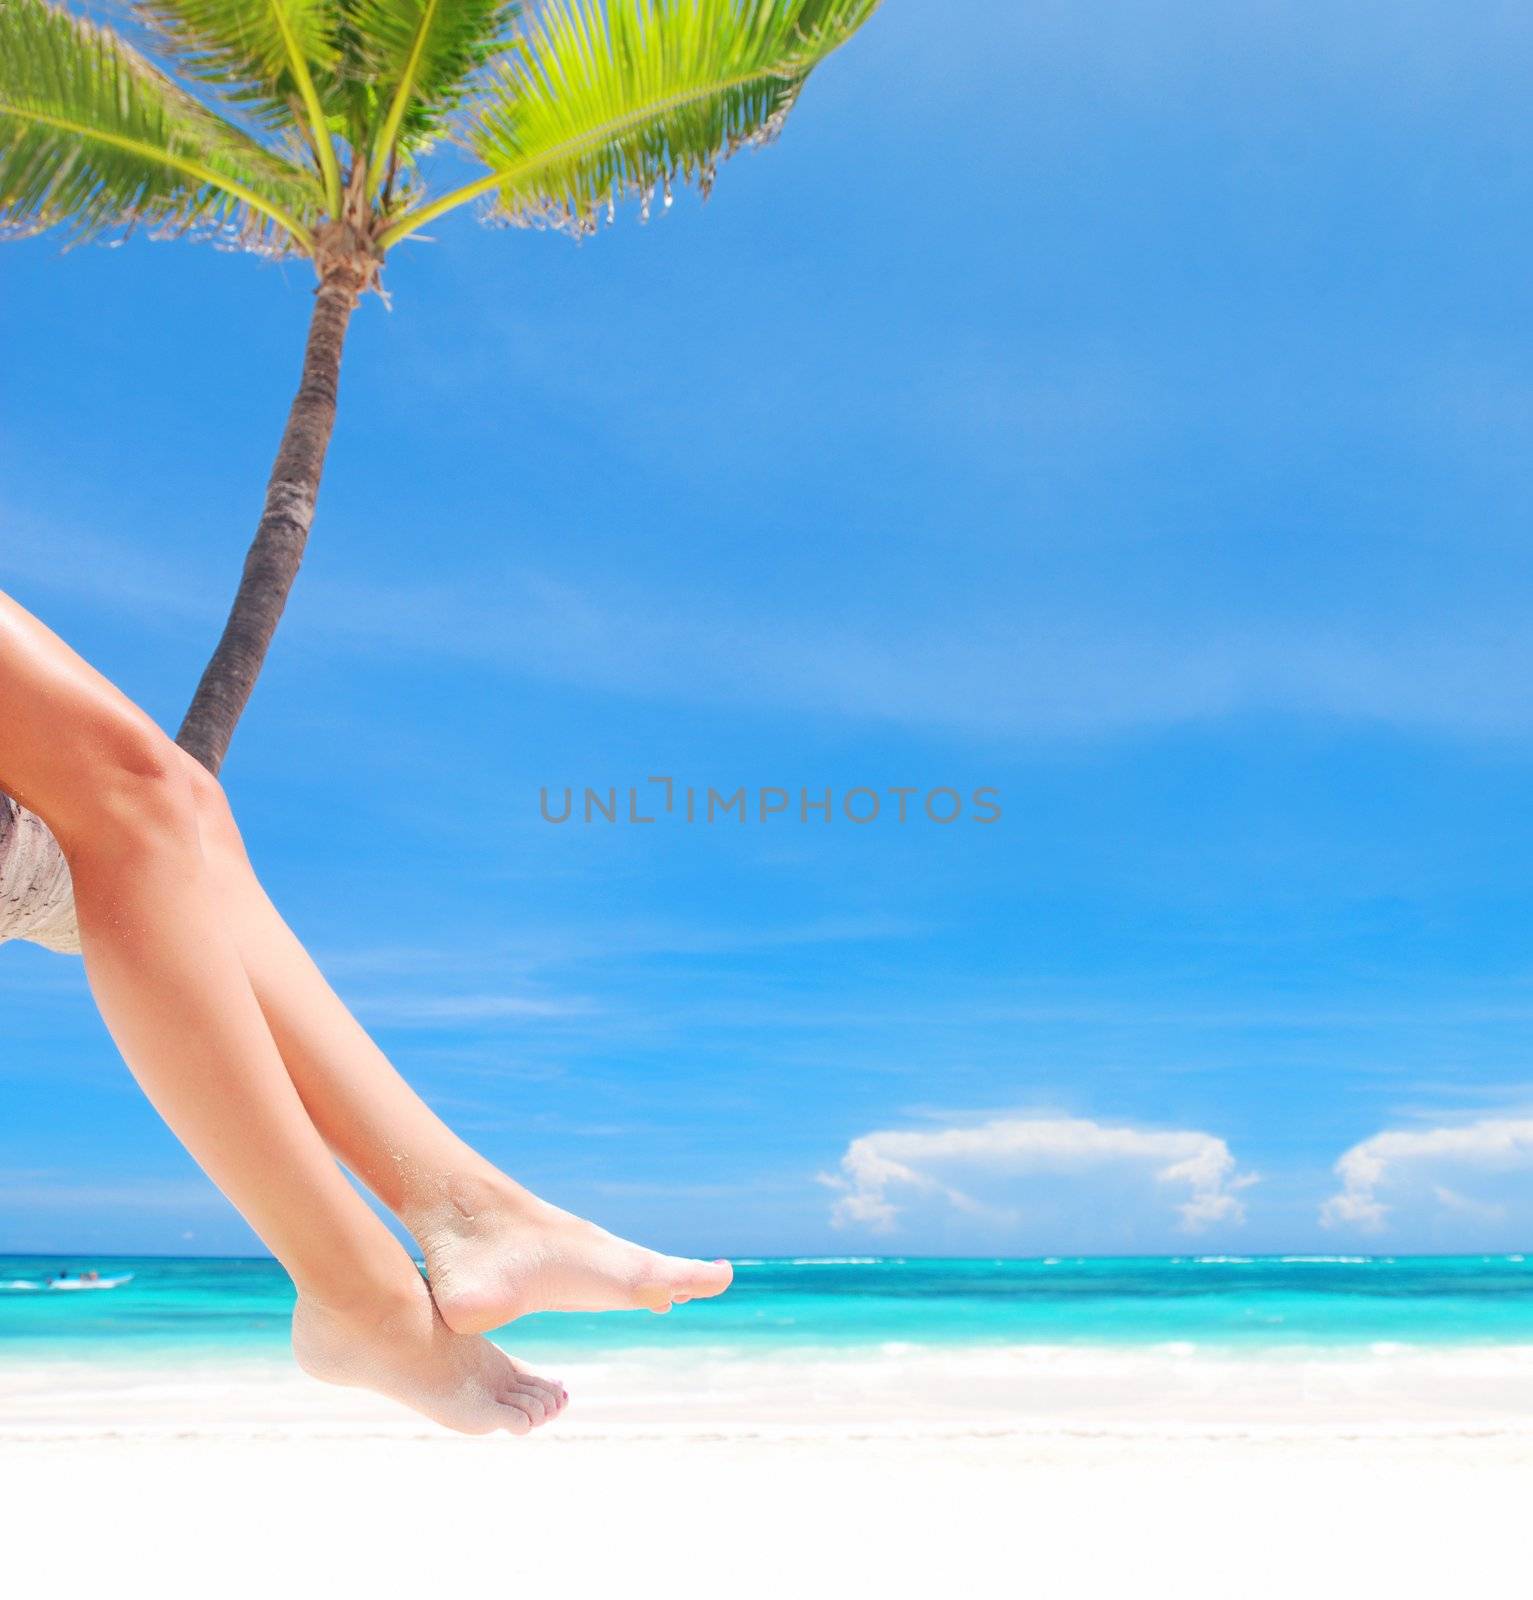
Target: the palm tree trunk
pixel 274 557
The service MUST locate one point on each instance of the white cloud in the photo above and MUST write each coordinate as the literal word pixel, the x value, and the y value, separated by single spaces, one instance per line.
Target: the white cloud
pixel 1410 1165
pixel 882 1172
pixel 1480 1210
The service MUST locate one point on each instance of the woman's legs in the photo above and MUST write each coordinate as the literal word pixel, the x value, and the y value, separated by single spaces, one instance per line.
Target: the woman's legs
pixel 493 1250
pixel 168 978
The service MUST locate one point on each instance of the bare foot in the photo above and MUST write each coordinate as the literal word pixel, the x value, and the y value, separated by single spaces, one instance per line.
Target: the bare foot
pixel 494 1253
pixel 406 1351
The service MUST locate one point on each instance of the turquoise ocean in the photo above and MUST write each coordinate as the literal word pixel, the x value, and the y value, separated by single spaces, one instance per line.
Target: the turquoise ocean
pixel 177 1310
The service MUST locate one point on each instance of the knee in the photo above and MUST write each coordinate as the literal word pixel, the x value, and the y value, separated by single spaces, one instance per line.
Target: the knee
pixel 216 826
pixel 208 798
pixel 134 791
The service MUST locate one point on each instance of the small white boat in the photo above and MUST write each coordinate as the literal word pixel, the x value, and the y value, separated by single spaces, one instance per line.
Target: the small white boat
pixel 23 1284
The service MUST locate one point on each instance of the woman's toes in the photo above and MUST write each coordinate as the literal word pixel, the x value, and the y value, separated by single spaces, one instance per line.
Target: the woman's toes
pixel 525 1375
pixel 696 1280
pixel 684 1280
pixel 709 1278
pixel 529 1402
pixel 514 1418
pixel 551 1394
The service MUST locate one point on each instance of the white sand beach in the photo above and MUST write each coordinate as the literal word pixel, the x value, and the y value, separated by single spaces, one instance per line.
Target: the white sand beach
pixel 1057 1472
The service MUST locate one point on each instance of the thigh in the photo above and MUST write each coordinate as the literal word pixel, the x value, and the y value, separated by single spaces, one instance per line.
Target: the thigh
pixel 66 733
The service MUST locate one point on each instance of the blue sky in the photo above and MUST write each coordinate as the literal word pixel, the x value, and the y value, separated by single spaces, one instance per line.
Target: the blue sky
pixel 1128 406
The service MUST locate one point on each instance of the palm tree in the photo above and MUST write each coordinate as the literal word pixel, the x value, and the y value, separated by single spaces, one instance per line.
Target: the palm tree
pixel 308 135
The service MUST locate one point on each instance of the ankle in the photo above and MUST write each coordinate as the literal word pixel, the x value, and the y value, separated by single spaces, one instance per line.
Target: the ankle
pixel 369 1302
pixel 467 1201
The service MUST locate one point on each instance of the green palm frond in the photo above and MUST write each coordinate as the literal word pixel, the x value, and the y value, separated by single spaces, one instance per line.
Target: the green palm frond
pixel 603 100
pixel 280 59
pixel 95 137
pixel 246 48
pixel 421 58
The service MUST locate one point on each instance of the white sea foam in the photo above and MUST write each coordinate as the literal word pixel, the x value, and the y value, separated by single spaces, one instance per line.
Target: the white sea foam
pixel 834 1261
pixel 1349 1261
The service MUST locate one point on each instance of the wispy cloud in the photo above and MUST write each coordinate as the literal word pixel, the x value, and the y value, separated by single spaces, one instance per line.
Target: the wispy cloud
pixel 684 1191
pixel 882 1172
pixel 1411 1165
pixel 1071 667
pixel 448 1010
pixel 29 1191
pixel 1068 670
pixel 121 574
pixel 600 941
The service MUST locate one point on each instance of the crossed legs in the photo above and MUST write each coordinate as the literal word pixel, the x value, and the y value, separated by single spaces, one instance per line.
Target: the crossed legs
pixel 493 1250
pixel 169 915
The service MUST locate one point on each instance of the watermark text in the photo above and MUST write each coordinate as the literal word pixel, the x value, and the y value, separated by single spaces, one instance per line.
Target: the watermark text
pixel 660 799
